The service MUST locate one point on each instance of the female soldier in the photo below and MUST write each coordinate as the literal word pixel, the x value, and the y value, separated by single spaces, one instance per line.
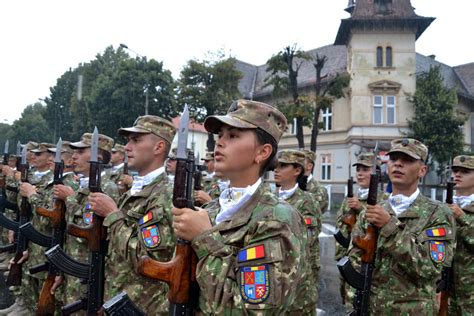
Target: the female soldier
pixel 251 247
pixel 290 178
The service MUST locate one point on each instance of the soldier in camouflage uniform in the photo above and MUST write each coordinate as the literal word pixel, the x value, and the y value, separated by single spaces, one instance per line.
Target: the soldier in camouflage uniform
pixel 462 290
pixel 313 186
pixel 140 223
pixel 211 184
pixel 289 173
pixel 251 247
pixel 357 203
pixel 117 159
pixel 416 238
pixel 78 210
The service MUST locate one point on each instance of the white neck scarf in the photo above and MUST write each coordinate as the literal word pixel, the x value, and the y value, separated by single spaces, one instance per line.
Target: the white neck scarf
pixel 40 174
pixel 286 194
pixel 83 182
pixel 363 193
pixel 400 203
pixel 117 167
pixel 463 200
pixel 232 199
pixel 140 181
pixel 310 177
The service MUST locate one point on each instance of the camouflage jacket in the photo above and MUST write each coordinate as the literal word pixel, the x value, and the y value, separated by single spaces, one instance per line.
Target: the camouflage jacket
pixel 113 174
pixel 320 194
pixel 412 249
pixel 463 263
pixel 211 186
pixel 343 228
pixel 143 226
pixel 253 263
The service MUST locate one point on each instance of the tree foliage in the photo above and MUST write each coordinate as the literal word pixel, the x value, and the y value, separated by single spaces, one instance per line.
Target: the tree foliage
pixel 435 122
pixel 208 87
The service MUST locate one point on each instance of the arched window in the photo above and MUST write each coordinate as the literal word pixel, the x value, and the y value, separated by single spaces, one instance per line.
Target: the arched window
pixel 379 56
pixel 388 56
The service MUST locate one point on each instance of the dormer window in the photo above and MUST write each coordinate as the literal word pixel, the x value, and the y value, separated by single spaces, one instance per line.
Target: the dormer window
pixel 383 7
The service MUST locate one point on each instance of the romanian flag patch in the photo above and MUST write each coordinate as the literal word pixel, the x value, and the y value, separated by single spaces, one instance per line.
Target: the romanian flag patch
pixel 437 251
pixel 88 217
pixel 148 217
pixel 436 232
pixel 308 221
pixel 251 253
pixel 151 236
pixel 255 285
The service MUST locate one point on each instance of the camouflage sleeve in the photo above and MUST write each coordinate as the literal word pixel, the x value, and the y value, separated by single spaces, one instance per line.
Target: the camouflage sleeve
pixel 465 231
pixel 343 210
pixel 111 189
pixel 413 250
pixel 321 195
pixel 222 269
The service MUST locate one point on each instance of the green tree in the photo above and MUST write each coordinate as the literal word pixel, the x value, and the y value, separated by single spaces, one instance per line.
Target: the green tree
pixel 31 125
pixel 208 87
pixel 435 122
pixel 6 133
pixel 284 68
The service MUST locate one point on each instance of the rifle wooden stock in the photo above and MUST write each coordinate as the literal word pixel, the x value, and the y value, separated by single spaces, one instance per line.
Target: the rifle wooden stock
pixel 56 215
pixel 94 233
pixel 47 301
pixel 15 274
pixel 367 243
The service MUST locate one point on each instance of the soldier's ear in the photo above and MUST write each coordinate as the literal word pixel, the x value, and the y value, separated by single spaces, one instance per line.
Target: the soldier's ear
pixel 160 147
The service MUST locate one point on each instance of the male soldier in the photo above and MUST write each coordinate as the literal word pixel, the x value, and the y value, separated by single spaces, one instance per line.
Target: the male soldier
pixel 140 223
pixel 357 203
pixel 210 188
pixel 416 238
pixel 171 165
pixel 117 160
pixel 462 289
pixel 78 210
pixel 320 193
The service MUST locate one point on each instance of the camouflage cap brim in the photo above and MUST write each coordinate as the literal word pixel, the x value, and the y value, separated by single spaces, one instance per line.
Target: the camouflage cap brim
pixel 127 130
pixel 406 152
pixel 53 150
pixel 213 123
pixel 365 164
pixel 38 150
pixel 77 145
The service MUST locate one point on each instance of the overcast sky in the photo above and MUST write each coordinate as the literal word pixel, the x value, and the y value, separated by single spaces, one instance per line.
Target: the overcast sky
pixel 40 40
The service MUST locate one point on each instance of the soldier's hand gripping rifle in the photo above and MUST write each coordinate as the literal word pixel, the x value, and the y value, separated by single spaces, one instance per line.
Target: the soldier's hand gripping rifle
pixel 349 219
pixel 447 273
pixel 46 302
pixel 15 275
pixel 368 244
pixel 180 272
pixel 96 236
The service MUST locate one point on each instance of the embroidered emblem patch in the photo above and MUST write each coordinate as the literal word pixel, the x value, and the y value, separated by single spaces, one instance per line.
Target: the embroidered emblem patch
pixel 308 221
pixel 436 232
pixel 251 253
pixel 255 285
pixel 148 217
pixel 88 216
pixel 151 236
pixel 437 251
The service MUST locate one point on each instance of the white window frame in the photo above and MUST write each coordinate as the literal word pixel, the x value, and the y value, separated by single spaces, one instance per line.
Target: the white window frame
pixel 379 106
pixel 327 118
pixel 391 106
pixel 326 162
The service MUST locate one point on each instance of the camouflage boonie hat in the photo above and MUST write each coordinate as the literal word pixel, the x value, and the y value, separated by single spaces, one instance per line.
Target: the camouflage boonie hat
pixel 209 156
pixel 119 148
pixel 311 155
pixel 463 161
pixel 43 147
pixel 151 124
pixel 105 142
pixel 291 156
pixel 31 145
pixel 65 148
pixel 248 114
pixel 365 159
pixel 409 146
pixel 172 154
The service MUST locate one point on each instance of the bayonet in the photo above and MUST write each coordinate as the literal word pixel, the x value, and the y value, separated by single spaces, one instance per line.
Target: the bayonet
pixel 94 145
pixel 5 148
pixel 183 134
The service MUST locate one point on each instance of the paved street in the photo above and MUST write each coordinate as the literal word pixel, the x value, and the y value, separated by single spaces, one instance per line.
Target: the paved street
pixel 329 298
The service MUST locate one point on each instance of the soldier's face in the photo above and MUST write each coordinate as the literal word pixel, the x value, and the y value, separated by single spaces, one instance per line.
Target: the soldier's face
pixel 209 165
pixel 464 178
pixel 404 171
pixel 286 175
pixel 41 161
pixel 80 158
pixel 171 165
pixel 117 158
pixel 363 176
pixel 142 152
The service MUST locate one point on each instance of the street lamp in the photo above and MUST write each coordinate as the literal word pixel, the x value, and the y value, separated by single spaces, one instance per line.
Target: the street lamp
pixel 147 85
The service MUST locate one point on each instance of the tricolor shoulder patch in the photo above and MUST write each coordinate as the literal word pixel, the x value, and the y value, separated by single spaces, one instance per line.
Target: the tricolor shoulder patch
pixel 437 251
pixel 308 221
pixel 436 232
pixel 151 236
pixel 251 253
pixel 148 217
pixel 255 285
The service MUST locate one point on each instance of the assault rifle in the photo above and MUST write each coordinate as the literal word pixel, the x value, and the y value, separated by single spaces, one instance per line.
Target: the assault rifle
pixel 180 272
pixel 46 302
pixel 15 275
pixel 368 244
pixel 349 219
pixel 447 273
pixel 197 176
pixel 96 236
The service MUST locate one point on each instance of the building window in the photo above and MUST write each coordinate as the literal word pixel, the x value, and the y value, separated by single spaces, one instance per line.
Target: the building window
pixel 327 119
pixel 379 56
pixel 388 56
pixel 326 167
pixel 390 110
